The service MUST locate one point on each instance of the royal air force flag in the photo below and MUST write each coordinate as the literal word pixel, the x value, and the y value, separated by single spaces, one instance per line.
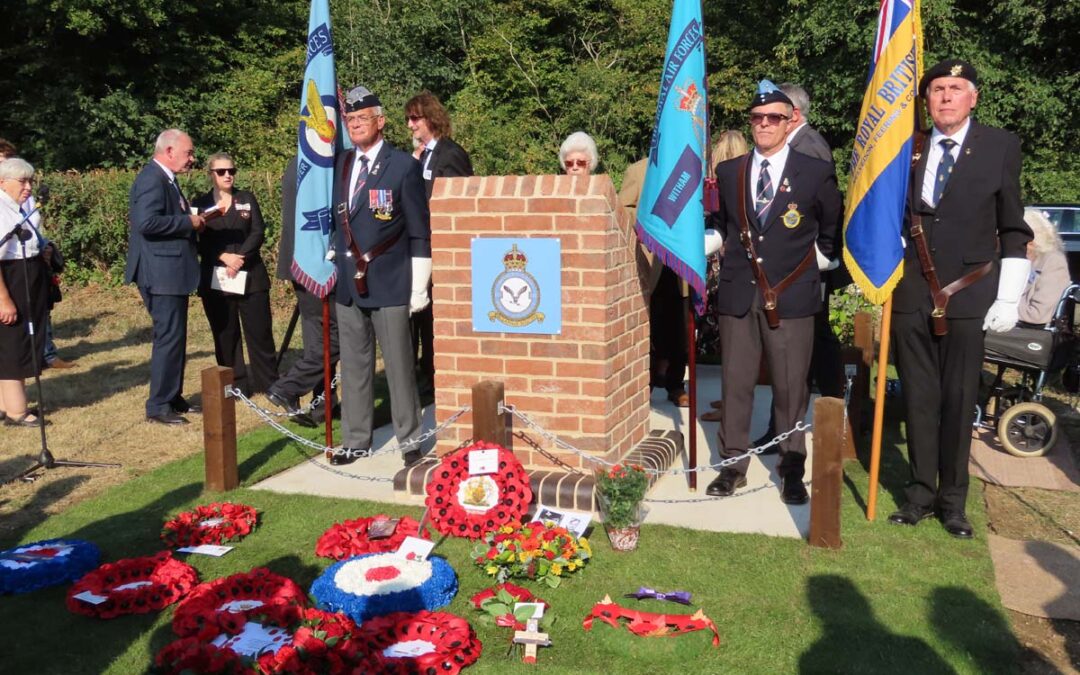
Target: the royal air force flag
pixel 881 158
pixel 671 216
pixel 317 139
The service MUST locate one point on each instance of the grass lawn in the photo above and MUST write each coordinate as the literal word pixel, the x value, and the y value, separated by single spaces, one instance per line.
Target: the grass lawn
pixel 902 600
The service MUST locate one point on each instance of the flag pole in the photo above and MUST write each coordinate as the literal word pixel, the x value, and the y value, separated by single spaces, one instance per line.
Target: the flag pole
pixel 328 394
pixel 692 362
pixel 879 408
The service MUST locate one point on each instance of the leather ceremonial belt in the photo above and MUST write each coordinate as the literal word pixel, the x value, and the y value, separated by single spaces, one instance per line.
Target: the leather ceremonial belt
pixel 938 295
pixel 650 624
pixel 769 293
pixel 362 259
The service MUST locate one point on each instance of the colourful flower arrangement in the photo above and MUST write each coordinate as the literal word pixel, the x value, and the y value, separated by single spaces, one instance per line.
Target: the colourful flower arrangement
pixel 532 551
pixel 222 602
pixel 381 583
pixel 464 505
pixel 424 642
pixel 498 602
pixel 214 523
pixel 133 586
pixel 352 537
pixel 45 563
pixel 621 489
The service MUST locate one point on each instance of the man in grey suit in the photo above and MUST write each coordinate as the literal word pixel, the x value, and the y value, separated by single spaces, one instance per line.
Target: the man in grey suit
pixel 803 137
pixel 163 263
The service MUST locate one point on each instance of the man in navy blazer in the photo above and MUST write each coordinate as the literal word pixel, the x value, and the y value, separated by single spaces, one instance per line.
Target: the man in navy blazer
pixel 163 263
pixel 383 254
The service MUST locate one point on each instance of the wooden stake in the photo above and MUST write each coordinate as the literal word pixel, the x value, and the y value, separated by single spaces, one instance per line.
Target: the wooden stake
pixel 828 478
pixel 488 423
pixel 532 638
pixel 219 430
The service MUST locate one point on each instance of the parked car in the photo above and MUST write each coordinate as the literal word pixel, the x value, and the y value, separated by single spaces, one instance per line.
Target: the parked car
pixel 1066 217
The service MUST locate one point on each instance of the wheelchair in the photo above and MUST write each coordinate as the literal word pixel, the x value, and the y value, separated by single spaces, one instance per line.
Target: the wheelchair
pixel 1026 427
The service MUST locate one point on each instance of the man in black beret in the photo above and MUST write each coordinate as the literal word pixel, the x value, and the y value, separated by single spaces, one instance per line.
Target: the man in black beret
pixel 964 271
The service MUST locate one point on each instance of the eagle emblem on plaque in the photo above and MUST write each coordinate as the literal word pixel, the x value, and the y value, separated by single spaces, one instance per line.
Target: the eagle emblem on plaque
pixel 515 293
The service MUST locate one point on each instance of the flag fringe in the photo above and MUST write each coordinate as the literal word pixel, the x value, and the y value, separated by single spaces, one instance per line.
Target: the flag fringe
pixel 320 290
pixel 875 294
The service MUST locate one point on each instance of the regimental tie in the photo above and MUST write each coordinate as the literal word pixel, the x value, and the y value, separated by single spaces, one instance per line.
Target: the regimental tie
pixel 944 168
pixel 424 157
pixel 183 202
pixel 764 192
pixel 358 186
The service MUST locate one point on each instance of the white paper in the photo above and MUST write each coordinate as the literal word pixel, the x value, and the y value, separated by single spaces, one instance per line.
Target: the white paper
pixel 417 547
pixel 483 462
pixel 220 281
pixel 206 549
pixel 574 521
pixel 87 596
pixel 254 639
pixel 409 648
pixel 537 607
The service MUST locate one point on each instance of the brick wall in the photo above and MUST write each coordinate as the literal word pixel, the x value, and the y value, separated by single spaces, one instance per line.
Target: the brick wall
pixel 589 385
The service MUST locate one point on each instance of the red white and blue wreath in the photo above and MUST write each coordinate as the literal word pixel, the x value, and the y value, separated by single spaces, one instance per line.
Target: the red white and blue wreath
pixel 424 642
pixel 221 602
pixel 466 505
pixel 45 563
pixel 380 583
pixel 132 586
pixel 214 523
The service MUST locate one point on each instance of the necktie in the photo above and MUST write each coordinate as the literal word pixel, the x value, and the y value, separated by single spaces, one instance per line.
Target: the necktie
pixel 361 179
pixel 180 195
pixel 424 157
pixel 764 192
pixel 944 168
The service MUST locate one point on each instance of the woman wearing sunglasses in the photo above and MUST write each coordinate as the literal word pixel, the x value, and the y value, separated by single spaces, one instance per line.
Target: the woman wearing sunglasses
pixel 577 155
pixel 234 285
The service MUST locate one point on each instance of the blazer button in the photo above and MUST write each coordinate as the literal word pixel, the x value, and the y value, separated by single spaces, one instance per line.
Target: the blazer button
pixel 761 237
pixel 753 283
pixel 760 260
pixel 937 220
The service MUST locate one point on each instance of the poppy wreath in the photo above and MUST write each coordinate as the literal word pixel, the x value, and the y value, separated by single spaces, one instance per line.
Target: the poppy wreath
pixel 214 523
pixel 497 603
pixel 313 641
pixel 450 516
pixel 375 584
pixel 350 538
pixel 133 586
pixel 45 563
pixel 449 641
pixel 259 592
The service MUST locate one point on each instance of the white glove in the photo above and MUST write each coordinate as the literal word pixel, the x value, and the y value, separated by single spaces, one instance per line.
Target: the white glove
pixel 1004 313
pixel 823 263
pixel 421 277
pixel 713 242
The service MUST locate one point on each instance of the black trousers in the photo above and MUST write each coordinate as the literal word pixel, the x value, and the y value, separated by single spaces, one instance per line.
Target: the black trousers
pixel 939 378
pixel 422 325
pixel 667 327
pixel 234 316
pixel 306 375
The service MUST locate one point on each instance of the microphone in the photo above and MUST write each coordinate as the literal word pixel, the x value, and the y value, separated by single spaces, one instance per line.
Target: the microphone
pixel 43 193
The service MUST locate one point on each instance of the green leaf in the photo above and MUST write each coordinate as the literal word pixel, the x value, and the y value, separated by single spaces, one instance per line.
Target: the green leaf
pixel 524 613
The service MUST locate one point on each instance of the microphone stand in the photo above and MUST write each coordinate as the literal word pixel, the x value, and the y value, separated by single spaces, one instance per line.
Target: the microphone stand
pixel 45 458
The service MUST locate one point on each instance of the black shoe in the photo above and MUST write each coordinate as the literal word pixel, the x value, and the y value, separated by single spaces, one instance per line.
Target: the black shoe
pixel 412 458
pixel 726 484
pixel 911 514
pixel 956 524
pixel 181 406
pixel 765 438
pixel 169 418
pixel 341 456
pixel 792 491
pixel 291 405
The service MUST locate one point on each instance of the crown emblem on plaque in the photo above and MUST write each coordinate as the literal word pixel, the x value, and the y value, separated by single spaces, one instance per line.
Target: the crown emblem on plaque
pixel 515 259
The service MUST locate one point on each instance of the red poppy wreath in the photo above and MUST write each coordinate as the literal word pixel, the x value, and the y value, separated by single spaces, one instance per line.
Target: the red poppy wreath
pixel 421 642
pixel 132 586
pixel 222 602
pixel 470 505
pixel 378 534
pixel 214 523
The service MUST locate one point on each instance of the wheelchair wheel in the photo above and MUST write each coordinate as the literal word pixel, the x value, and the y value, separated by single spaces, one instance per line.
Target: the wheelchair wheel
pixel 1027 429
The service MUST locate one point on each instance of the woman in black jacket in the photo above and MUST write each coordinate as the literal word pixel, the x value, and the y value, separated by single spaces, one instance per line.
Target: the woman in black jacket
pixel 234 285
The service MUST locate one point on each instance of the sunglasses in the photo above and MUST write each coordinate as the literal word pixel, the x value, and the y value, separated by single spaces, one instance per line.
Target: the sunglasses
pixel 222 172
pixel 579 163
pixel 413 118
pixel 774 118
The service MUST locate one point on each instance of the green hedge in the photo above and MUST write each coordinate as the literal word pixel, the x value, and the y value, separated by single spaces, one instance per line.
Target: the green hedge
pixel 87 215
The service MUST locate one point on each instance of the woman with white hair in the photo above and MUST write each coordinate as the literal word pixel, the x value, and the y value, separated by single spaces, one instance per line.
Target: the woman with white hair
pixel 1049 275
pixel 577 154
pixel 17 360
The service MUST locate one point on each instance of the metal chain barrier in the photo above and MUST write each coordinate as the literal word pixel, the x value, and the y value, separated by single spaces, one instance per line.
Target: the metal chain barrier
pixel 306 410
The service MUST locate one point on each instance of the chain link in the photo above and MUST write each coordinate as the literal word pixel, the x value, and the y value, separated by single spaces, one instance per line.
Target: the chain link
pixel 306 410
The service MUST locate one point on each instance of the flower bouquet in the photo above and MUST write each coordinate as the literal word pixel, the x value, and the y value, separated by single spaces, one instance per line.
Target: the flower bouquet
pixel 620 491
pixel 532 551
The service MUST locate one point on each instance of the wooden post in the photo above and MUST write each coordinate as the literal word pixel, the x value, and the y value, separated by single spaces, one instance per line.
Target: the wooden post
pixel 828 471
pixel 488 423
pixel 219 430
pixel 864 342
pixel 856 400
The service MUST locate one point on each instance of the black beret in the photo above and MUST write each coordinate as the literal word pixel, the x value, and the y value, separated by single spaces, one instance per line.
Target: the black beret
pixel 948 68
pixel 767 93
pixel 359 98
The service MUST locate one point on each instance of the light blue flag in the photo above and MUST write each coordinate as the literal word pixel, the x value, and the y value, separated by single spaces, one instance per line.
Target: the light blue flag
pixel 317 139
pixel 671 216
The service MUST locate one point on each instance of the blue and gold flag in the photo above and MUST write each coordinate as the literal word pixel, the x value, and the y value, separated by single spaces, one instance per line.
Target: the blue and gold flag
pixel 317 140
pixel 881 158
pixel 671 216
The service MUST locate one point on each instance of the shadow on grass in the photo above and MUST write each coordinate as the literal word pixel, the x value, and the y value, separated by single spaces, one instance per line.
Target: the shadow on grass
pixel 976 629
pixel 36 510
pixel 894 471
pixel 854 641
pixel 80 387
pixel 80 327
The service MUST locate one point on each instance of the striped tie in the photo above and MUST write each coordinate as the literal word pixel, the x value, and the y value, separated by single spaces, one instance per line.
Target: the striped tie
pixel 361 179
pixel 944 169
pixel 764 192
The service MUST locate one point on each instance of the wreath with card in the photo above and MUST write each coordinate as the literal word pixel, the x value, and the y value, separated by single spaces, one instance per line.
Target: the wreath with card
pixel 314 642
pixel 498 606
pixel 476 490
pixel 424 642
pixel 214 523
pixel 45 563
pixel 378 534
pixel 132 586
pixel 382 583
pixel 222 603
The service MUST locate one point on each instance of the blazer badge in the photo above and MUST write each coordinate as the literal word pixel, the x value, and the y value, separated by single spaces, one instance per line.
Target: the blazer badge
pixel 382 203
pixel 515 293
pixel 785 186
pixel 792 217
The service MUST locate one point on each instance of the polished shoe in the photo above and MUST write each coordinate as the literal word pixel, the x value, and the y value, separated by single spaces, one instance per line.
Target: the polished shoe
pixel 718 404
pixel 169 418
pixel 911 514
pixel 956 524
pixel 291 405
pixel 769 434
pixel 412 458
pixel 792 491
pixel 181 406
pixel 341 456
pixel 726 484
pixel 680 398
pixel 61 364
pixel 712 416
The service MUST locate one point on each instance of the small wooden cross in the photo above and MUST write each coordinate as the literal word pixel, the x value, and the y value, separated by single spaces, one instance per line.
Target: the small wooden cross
pixel 532 638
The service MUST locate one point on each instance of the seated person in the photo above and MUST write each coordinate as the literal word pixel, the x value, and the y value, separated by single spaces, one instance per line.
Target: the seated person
pixel 1049 271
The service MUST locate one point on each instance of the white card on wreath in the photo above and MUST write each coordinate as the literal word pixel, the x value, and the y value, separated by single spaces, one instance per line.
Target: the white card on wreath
pixel 537 608
pixel 483 462
pixel 408 649
pixel 415 548
pixel 206 549
pixel 254 639
pixel 574 521
pixel 92 598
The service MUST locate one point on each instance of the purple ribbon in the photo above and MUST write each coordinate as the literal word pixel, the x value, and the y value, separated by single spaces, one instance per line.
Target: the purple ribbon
pixel 643 593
